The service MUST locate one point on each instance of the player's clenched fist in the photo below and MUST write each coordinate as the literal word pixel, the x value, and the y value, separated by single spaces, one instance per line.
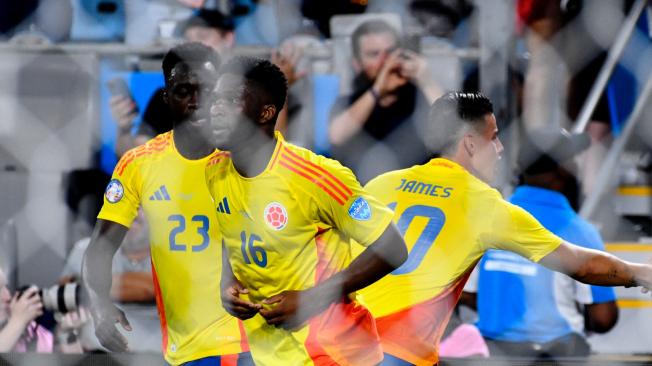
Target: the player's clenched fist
pixel 236 306
pixel 292 309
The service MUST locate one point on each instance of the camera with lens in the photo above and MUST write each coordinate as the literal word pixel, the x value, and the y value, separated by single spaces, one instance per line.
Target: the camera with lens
pixel 57 298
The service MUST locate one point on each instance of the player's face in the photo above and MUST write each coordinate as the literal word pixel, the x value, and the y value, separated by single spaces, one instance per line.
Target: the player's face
pixel 5 298
pixel 188 93
pixel 488 150
pixel 231 112
pixel 374 50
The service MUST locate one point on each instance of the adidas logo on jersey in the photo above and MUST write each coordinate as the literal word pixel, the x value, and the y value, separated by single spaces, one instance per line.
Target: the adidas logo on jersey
pixel 223 207
pixel 160 194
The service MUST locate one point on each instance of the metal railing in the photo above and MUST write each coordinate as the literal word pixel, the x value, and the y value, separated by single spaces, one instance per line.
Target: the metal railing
pixel 613 56
pixel 605 174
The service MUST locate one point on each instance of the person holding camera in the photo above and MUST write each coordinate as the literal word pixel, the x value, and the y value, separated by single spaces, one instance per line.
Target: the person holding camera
pixel 391 92
pixel 17 313
pixel 132 287
pixel 19 331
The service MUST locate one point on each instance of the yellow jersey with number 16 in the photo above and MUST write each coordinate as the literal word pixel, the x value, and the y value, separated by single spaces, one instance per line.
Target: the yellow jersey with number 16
pixel 289 228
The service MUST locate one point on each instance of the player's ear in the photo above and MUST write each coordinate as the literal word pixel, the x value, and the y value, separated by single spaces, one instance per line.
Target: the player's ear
pixel 267 113
pixel 469 144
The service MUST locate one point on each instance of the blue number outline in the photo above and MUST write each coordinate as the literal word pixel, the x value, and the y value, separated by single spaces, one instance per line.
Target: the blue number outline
pixel 253 249
pixel 436 220
pixel 173 233
pixel 243 247
pixel 203 231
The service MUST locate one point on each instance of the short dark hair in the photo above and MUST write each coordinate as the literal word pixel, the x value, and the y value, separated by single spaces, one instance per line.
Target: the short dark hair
pixel 264 74
pixel 208 19
pixel 450 114
pixel 189 53
pixel 370 27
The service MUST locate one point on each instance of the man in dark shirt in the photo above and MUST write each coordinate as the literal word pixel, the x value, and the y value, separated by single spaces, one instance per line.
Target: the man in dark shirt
pixel 391 93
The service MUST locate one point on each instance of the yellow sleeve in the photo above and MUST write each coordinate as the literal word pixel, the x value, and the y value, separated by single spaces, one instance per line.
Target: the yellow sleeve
pixel 516 230
pixel 350 208
pixel 379 188
pixel 122 194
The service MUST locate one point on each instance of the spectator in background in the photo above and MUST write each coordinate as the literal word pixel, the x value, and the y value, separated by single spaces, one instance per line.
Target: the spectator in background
pixel 565 59
pixel 289 57
pixel 209 27
pixel 321 12
pixel 132 287
pixel 19 332
pixel 35 20
pixel 525 309
pixel 391 92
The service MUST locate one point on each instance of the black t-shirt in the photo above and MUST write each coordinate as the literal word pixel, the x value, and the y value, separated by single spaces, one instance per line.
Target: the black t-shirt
pixel 157 118
pixel 390 138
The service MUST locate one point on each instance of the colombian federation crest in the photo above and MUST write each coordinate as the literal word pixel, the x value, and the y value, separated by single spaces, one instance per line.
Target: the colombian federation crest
pixel 360 209
pixel 276 216
pixel 114 191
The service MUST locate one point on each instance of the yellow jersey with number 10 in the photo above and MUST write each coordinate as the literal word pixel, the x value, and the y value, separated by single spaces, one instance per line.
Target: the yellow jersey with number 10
pixel 448 219
pixel 289 228
pixel 185 246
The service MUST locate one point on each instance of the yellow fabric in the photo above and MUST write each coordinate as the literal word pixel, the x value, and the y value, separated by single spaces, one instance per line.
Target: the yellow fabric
pixel 468 217
pixel 185 246
pixel 316 195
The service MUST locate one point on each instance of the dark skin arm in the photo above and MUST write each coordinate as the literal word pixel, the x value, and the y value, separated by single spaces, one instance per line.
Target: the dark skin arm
pixel 597 268
pixel 231 291
pixel 97 280
pixel 293 308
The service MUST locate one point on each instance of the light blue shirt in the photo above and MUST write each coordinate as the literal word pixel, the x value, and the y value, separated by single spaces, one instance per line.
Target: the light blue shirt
pixel 519 300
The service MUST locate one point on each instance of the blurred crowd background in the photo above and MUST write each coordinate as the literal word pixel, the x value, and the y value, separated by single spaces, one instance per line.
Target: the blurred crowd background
pixel 81 84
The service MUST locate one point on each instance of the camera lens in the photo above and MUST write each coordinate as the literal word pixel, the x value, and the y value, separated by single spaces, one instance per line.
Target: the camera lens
pixel 57 298
pixel 61 298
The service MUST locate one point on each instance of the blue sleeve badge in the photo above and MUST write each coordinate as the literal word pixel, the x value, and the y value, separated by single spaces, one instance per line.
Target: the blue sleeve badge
pixel 360 209
pixel 114 191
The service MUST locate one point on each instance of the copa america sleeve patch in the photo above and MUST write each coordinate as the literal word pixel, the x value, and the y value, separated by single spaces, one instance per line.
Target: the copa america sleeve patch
pixel 360 209
pixel 114 191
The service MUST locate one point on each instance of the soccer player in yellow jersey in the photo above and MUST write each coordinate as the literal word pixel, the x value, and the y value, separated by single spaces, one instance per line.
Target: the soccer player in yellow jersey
pixel 166 176
pixel 449 216
pixel 287 215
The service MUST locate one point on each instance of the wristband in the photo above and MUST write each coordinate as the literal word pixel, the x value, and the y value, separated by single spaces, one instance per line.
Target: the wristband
pixel 374 94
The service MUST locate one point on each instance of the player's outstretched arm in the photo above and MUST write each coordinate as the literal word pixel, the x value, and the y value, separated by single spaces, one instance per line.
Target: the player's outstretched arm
pixel 231 289
pixel 293 308
pixel 597 268
pixel 96 278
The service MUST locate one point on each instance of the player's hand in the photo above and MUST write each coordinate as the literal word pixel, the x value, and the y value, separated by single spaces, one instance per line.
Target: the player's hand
pixel 105 316
pixel 644 277
pixel 292 309
pixel 234 305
